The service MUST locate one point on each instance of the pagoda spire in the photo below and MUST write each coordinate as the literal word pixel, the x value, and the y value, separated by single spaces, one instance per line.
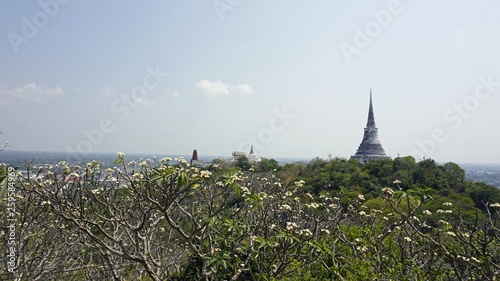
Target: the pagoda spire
pixel 371 118
pixel 370 147
pixel 251 149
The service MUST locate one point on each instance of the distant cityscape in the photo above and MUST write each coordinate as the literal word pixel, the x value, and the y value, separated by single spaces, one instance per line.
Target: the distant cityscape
pixel 487 173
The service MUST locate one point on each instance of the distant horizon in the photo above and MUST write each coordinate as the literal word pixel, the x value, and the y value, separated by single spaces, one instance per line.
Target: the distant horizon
pixel 213 156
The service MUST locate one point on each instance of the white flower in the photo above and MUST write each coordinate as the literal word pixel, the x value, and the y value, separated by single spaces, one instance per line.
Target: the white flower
pixel 143 164
pixel 333 206
pixel 299 183
pixel 120 155
pixel 495 205
pixel 138 176
pixel 361 197
pixel 245 190
pixel 396 182
pixel 205 174
pixel 165 159
pixel 312 205
pixel 450 233
pixel 427 212
pixel 362 213
pixel 407 239
pixel 362 249
pixel 235 177
pixel 387 190
pixel 38 179
pixel 325 231
pixel 285 207
pixel 476 260
pixel 306 232
pixel 290 226
pixel 447 204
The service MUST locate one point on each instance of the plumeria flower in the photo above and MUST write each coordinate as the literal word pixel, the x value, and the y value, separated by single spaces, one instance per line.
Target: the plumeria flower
pixel 245 190
pixel 290 225
pixel 495 205
pixel 388 191
pixel 205 174
pixel 312 205
pixel 305 232
pixel 299 183
pixel 285 207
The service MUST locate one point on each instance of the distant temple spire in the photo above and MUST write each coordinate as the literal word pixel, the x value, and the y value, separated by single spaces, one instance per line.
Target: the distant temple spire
pixel 195 155
pixel 370 147
pixel 371 118
pixel 251 149
pixel 195 161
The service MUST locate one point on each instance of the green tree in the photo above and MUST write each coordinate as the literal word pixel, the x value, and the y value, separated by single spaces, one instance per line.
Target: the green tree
pixel 483 194
pixel 267 165
pixel 243 163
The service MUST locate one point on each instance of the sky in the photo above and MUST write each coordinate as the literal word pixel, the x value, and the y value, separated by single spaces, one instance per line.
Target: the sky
pixel 292 78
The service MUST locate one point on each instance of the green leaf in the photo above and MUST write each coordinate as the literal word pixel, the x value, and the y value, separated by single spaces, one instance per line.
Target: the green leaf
pixel 3 175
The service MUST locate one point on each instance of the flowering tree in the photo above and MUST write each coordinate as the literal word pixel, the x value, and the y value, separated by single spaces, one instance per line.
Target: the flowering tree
pixel 167 220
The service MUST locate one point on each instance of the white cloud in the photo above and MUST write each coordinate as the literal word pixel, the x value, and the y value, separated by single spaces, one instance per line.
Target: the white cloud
pixel 31 92
pixel 142 102
pixel 244 88
pixel 175 95
pixel 219 88
pixel 108 91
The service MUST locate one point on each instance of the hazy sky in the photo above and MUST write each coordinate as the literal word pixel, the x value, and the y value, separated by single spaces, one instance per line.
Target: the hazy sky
pixel 291 77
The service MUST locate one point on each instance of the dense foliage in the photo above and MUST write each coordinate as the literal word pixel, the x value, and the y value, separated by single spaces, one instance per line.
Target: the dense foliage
pixel 323 220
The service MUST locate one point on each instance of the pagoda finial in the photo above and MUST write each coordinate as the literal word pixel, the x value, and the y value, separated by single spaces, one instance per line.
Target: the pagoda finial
pixel 251 149
pixel 371 118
